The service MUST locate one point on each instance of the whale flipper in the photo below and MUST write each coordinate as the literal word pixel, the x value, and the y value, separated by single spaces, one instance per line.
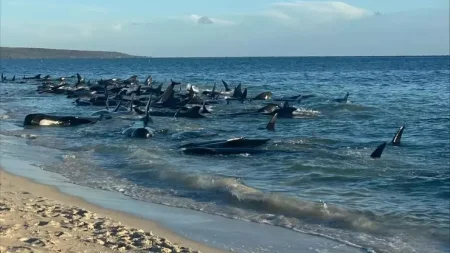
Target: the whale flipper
pixel 377 153
pixel 398 136
pixel 271 125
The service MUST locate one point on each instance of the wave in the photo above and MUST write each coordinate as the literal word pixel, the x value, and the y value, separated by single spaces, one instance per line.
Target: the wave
pixel 234 192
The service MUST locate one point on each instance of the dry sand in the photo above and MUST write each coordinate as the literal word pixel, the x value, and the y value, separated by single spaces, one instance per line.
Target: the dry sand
pixel 39 218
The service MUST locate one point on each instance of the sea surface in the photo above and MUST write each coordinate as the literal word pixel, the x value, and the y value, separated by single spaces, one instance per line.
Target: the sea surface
pixel 318 177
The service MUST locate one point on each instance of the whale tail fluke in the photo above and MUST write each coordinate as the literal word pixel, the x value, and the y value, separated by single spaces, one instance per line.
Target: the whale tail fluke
pixel 378 151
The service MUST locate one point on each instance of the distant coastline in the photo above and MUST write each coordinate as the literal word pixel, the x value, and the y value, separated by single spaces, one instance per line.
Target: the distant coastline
pixel 47 53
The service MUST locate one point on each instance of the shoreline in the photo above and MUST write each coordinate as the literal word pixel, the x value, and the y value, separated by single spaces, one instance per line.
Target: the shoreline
pixel 220 234
pixel 18 192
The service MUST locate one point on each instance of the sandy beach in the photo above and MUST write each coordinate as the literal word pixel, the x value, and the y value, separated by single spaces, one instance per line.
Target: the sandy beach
pixel 39 218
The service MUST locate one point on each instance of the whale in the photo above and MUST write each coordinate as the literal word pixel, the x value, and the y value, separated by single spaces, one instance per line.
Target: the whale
pixel 240 142
pixel 142 131
pixel 284 112
pixel 263 96
pixel 378 151
pixel 204 109
pixel 193 112
pixel 237 93
pixel 167 98
pixel 398 136
pixel 342 100
pixel 41 119
pixel 242 95
pixel 220 151
pixel 269 108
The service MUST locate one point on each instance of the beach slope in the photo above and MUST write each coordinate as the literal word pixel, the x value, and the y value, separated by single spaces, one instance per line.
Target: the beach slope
pixel 39 218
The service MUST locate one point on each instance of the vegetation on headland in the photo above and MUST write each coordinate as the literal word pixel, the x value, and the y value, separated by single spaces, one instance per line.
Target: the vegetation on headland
pixel 46 53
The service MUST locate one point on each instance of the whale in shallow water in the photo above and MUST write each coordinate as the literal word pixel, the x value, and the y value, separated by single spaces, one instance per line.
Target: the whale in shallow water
pixel 284 112
pixel 220 151
pixel 193 112
pixel 269 108
pixel 40 119
pixel 398 136
pixel 263 96
pixel 142 131
pixel 342 100
pixel 230 143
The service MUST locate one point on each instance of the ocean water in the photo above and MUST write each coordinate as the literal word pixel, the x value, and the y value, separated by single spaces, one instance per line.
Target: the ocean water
pixel 318 178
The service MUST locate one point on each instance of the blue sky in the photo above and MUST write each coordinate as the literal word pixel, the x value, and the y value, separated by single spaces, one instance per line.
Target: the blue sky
pixel 230 27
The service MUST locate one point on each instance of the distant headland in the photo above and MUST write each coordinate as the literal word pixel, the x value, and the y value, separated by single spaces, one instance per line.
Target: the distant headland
pixel 46 53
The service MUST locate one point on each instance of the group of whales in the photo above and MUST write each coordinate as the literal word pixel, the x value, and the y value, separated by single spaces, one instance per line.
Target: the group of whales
pixel 129 95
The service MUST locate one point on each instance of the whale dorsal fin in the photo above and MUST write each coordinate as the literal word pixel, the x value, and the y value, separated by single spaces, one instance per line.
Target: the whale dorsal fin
pixel 377 153
pixel 227 88
pixel 398 136
pixel 271 125
pixel 244 94
pixel 191 92
pixel 147 118
pixel 213 90
pixel 346 95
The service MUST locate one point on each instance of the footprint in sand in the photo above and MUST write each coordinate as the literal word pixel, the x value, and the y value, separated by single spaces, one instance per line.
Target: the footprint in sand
pixel 35 242
pixel 19 249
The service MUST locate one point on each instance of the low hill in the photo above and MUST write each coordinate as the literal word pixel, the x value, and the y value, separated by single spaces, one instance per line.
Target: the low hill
pixel 45 53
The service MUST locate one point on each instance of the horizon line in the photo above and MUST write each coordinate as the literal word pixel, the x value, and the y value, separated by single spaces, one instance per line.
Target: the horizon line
pixel 255 56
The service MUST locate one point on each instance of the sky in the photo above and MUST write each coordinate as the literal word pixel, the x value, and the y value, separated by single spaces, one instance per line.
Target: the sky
pixel 208 28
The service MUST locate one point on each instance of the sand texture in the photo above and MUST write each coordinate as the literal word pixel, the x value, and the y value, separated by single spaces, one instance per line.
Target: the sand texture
pixel 32 222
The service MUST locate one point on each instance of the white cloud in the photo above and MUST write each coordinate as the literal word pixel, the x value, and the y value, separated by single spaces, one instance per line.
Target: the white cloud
pixel 313 11
pixel 197 19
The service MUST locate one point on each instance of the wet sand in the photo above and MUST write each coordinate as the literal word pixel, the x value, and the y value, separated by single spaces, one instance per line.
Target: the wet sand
pixel 39 218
